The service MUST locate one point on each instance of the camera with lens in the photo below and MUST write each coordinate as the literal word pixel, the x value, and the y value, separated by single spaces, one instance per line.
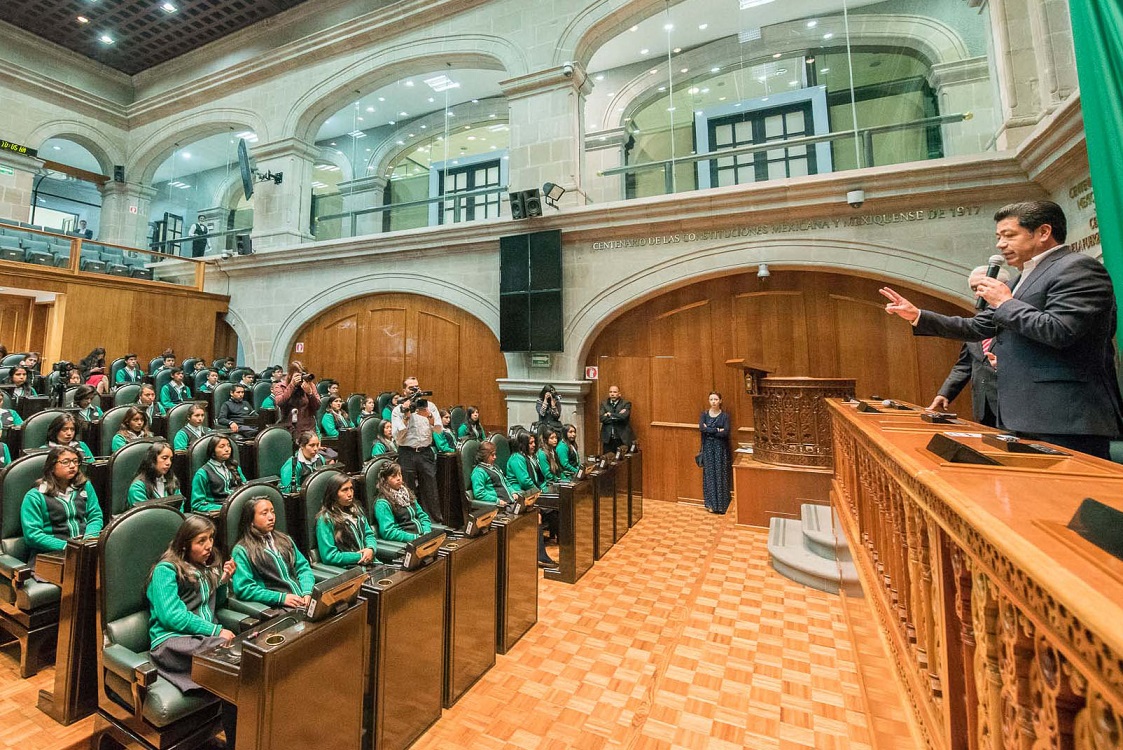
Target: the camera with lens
pixel 417 399
pixel 307 376
pixel 62 367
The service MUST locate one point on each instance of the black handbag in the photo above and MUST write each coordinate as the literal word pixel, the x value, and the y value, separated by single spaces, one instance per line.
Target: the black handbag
pixel 698 459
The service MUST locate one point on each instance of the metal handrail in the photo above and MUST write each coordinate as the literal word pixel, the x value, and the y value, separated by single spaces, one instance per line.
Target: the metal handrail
pixel 456 198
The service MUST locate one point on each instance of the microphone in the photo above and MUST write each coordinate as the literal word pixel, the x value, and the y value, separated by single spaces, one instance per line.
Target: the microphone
pixel 994 265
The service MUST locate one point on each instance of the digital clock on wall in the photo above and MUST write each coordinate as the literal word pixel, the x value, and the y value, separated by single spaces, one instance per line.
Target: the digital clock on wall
pixel 17 148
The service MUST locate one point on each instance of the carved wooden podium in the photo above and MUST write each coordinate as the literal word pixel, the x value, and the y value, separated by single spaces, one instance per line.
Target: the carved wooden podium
pixel 792 460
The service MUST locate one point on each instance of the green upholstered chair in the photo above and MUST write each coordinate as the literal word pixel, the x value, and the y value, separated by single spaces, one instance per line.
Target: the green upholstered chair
pixel 311 498
pixel 197 379
pixel 114 366
pixel 227 523
pixel 177 417
pixel 322 388
pixel 127 394
pixel 110 423
pixel 6 374
pixel 261 390
pixel 383 401
pixel 236 374
pixel 355 405
pixel 123 466
pixel 189 365
pixel 154 363
pixel 221 396
pixel 458 415
pixel 502 450
pixel 274 447
pixel 387 551
pixel 162 378
pixel 35 428
pixel 141 708
pixel 198 451
pixel 5 400
pixel 12 360
pixel 68 398
pixel 29 608
pixel 368 433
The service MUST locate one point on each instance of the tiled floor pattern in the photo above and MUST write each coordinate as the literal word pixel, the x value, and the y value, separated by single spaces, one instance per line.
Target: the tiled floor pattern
pixel 682 637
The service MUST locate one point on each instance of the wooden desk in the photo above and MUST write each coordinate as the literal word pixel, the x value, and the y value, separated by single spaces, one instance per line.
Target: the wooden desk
pixel 516 591
pixel 450 490
pixel 604 508
pixel 1002 626
pixel 74 693
pixel 767 491
pixel 634 462
pixel 577 523
pixel 469 612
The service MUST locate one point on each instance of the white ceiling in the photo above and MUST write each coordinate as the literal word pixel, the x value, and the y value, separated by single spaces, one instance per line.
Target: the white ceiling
pixel 219 150
pixel 69 153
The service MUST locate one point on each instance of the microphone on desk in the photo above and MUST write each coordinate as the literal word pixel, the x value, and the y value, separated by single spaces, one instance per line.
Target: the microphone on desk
pixel 994 265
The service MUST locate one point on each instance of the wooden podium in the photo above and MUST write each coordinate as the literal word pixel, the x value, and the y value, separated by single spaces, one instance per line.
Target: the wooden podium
pixel 792 461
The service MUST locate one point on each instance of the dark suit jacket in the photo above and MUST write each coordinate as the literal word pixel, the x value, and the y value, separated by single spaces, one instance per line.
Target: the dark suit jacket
pixel 1053 342
pixel 974 368
pixel 614 423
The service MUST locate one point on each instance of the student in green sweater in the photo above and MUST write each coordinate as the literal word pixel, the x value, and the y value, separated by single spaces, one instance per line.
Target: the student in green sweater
pixel 472 429
pixel 305 460
pixel 490 486
pixel 147 401
pixel 397 514
pixel 522 465
pixel 62 432
pixel 569 455
pixel 62 506
pixel 84 401
pixel 548 458
pixel 210 383
pixel 133 427
pixel 195 428
pixel 130 373
pixel 388 411
pixel 18 376
pixel 333 419
pixel 184 589
pixel 217 478
pixel 367 410
pixel 155 478
pixel 344 537
pixel 384 443
pixel 443 441
pixel 276 390
pixel 175 392
pixel 271 570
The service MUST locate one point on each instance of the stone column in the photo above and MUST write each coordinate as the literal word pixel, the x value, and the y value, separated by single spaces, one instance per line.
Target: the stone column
pixel 17 181
pixel 965 86
pixel 281 213
pixel 363 193
pixel 605 150
pixel 521 395
pixel 124 213
pixel 547 125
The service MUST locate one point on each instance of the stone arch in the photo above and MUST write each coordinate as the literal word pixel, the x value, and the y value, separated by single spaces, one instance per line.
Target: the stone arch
pixel 598 23
pixel 934 41
pixel 327 96
pixel 163 142
pixel 332 156
pixel 386 152
pixel 387 282
pixel 102 147
pixel 938 277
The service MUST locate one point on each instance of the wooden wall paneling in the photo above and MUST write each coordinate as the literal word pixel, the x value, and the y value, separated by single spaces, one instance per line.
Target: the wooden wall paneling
pixel 435 357
pixel 40 316
pixel 880 355
pixel 331 352
pixel 15 322
pixel 384 339
pixel 226 341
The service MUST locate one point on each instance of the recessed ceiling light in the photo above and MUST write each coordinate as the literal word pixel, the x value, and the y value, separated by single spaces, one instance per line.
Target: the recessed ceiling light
pixel 431 100
pixel 828 35
pixel 360 119
pixel 644 51
pixel 83 19
pixel 777 56
pixel 402 114
pixel 670 109
pixel 471 137
pixel 793 83
pixel 685 70
pixel 662 88
pixel 409 83
pixel 653 71
pixel 57 148
pixel 611 94
pixel 825 70
pixel 467 127
pixel 721 98
pixel 381 98
pixel 168 8
pixel 475 101
pixel 370 109
pixel 439 83
pixel 715 70
pixel 634 28
pixel 703 26
pixel 423 127
pixel 599 78
pixel 449 114
pixel 390 121
pixel 746 4
pixel 186 154
pixel 676 50
pixel 401 143
pixel 105 39
pixel 692 90
pixel 812 24
pixel 332 143
pixel 668 26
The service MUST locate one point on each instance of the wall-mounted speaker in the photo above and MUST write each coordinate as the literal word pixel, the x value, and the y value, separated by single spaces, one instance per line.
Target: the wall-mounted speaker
pixel 526 204
pixel 530 292
pixel 119 173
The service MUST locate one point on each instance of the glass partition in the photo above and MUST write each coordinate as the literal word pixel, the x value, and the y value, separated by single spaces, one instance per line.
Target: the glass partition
pixel 712 93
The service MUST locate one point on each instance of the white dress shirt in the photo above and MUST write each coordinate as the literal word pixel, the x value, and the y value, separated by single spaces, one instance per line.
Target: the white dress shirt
pixel 418 432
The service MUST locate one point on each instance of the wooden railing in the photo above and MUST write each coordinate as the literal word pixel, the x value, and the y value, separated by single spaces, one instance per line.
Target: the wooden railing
pixel 1005 628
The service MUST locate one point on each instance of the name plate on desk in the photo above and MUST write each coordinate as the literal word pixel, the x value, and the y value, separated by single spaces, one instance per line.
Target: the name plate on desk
pixel 940 417
pixel 958 453
pixel 1100 524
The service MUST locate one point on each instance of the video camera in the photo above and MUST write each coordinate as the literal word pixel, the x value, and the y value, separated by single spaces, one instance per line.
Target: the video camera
pixel 417 399
pixel 63 367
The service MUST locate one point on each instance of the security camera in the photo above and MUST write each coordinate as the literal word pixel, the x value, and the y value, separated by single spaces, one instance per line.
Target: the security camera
pixel 567 70
pixel 225 255
pixel 856 198
pixel 762 271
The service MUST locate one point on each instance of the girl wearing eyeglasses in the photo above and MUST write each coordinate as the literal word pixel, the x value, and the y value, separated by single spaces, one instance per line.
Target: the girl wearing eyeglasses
pixel 62 506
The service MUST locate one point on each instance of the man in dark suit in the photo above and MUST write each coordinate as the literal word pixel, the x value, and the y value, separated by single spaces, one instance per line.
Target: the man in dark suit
pixel 973 367
pixel 615 421
pixel 1051 334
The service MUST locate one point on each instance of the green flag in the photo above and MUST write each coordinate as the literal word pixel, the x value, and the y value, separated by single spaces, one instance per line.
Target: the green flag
pixel 1097 31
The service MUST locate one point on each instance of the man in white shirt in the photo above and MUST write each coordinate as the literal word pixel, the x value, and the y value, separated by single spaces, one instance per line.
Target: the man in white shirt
pixel 413 422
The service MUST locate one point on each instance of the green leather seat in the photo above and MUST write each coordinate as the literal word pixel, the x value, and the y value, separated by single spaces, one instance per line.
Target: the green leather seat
pixel 502 450
pixel 154 363
pixel 68 398
pixel 355 405
pixel 110 423
pixel 199 457
pixel 368 433
pixel 5 375
pixel 387 551
pixel 132 696
pixel 221 396
pixel 457 416
pixel 123 466
pixel 189 365
pixel 177 416
pixel 382 401
pixel 12 360
pixel 162 378
pixel 28 608
pixel 197 380
pixel 236 374
pixel 35 428
pixel 261 390
pixel 114 366
pixel 311 498
pixel 127 394
pixel 322 388
pixel 274 448
pixel 5 399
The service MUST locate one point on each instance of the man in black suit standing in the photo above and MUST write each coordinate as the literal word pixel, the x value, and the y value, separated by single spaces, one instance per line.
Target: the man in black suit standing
pixel 1051 333
pixel 615 421
pixel 973 367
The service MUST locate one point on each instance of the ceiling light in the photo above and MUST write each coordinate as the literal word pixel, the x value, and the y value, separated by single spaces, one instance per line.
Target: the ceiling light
pixel 475 101
pixel 370 109
pixel 423 127
pixel 599 78
pixel 493 148
pixel 449 114
pixel 653 71
pixel 409 83
pixel 368 150
pixel 721 98
pixel 403 114
pixel 83 19
pixel 777 56
pixel 168 8
pixel 828 35
pixel 670 109
pixel 751 35
pixel 809 60
pixel 431 100
pixel 793 83
pixel 703 26
pixel 715 70
pixel 247 135
pixel 634 28
pixel 391 122
pixel 685 70
pixel 662 88
pixel 812 24
pixel 610 94
pixel 360 119
pixel 400 143
pixel 644 51
pixel 186 154
pixel 105 39
pixel 746 4
pixel 332 143
pixel 705 91
pixel 676 50
pixel 357 134
pixel 471 137
pixel 668 26
pixel 693 90
pixel 57 148
pixel 825 70
pixel 467 127
pixel 381 98
pixel 439 83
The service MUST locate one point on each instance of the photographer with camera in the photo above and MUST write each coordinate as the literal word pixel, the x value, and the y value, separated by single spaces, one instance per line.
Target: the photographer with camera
pixel 414 420
pixel 298 405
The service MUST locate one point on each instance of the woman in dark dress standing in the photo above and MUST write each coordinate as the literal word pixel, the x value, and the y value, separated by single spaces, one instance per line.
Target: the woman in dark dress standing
pixel 717 461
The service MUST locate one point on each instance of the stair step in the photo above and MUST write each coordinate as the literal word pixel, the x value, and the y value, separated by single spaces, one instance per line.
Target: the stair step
pixel 824 534
pixel 791 558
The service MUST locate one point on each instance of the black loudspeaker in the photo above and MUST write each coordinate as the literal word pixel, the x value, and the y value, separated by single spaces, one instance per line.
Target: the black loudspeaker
pixel 518 206
pixel 526 204
pixel 243 245
pixel 118 173
pixel 530 292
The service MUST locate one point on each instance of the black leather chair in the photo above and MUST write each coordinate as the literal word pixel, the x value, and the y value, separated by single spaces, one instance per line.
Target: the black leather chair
pixel 29 608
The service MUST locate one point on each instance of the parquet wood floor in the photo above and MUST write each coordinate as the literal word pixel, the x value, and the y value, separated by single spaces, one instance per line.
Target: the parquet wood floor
pixel 681 637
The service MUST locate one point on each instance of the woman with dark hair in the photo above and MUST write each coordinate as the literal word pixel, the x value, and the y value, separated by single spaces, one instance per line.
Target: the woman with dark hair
pixel 384 440
pixel 569 454
pixel 84 400
pixel 344 537
pixel 63 432
pixel 298 405
pixel 367 410
pixel 305 460
pixel 271 570
pixel 548 407
pixel 217 478
pixel 155 478
pixel 444 441
pixel 398 515
pixel 334 419
pixel 547 457
pixel 522 465
pixel 195 428
pixel 19 377
pixel 92 360
pixel 133 427
pixel 489 485
pixel 184 589
pixel 62 506
pixel 717 460
pixel 471 429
